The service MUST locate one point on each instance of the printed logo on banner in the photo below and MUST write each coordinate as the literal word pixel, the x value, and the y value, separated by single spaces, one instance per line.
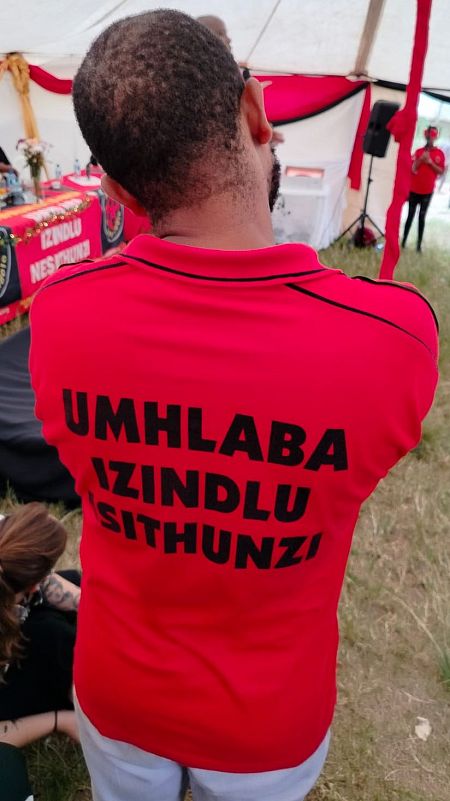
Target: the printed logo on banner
pixel 9 276
pixel 112 222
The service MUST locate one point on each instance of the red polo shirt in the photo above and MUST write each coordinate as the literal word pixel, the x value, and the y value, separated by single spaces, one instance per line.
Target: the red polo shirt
pixel 224 415
pixel 423 181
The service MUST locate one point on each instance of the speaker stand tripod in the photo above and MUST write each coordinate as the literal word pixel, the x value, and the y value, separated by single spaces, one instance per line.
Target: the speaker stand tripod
pixel 358 235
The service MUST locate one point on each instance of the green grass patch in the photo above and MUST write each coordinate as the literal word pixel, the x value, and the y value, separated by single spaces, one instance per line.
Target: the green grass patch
pixel 445 668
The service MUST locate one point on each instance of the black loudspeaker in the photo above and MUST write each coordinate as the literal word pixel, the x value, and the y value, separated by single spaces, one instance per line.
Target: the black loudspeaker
pixel 376 138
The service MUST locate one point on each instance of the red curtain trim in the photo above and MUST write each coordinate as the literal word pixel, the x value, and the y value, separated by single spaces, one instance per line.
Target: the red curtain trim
pixel 46 80
pixel 59 86
pixel 288 98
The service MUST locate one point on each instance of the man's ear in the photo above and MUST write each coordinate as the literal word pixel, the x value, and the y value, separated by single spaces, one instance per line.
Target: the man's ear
pixel 252 107
pixel 118 193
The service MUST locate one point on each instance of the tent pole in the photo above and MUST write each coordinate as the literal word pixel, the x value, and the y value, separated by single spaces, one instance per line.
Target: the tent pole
pixel 373 17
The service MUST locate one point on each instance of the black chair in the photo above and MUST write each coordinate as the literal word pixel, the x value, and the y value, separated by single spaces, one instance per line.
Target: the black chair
pixel 30 466
pixel 14 784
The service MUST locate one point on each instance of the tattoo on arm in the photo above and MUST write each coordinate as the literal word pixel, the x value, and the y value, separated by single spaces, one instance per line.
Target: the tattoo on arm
pixel 57 593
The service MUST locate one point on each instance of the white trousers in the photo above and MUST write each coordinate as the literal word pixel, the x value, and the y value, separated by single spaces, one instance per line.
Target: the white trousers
pixel 122 772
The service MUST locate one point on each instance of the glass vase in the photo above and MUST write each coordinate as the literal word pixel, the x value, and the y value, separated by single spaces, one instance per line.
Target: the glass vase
pixel 37 186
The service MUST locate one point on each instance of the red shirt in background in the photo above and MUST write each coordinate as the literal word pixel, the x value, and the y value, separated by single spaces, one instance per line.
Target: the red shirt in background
pixel 224 415
pixel 423 181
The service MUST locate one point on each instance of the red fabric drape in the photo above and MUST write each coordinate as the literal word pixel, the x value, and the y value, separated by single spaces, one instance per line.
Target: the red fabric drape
pixel 356 161
pixel 287 98
pixel 295 97
pixel 60 86
pixel 50 82
pixel 402 126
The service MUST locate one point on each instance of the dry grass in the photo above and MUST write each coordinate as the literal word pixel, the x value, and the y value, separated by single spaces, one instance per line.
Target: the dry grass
pixel 394 663
pixel 395 607
pixel 15 325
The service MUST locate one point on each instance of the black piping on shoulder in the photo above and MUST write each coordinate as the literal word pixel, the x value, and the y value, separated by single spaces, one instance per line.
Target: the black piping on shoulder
pixel 257 278
pixel 405 289
pixel 331 105
pixel 80 275
pixel 310 294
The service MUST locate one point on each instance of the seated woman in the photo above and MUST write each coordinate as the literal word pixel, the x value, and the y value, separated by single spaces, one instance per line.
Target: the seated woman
pixel 37 628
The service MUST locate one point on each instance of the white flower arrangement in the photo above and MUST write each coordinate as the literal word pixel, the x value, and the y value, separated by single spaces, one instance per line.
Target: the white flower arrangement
pixel 33 152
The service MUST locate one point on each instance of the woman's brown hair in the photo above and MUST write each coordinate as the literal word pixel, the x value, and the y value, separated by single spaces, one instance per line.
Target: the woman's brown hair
pixel 31 541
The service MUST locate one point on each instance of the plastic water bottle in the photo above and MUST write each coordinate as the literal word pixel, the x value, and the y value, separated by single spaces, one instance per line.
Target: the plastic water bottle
pixel 77 167
pixel 11 179
pixel 58 177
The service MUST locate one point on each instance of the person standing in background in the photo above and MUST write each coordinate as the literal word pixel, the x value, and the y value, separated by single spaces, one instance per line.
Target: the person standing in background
pixel 428 163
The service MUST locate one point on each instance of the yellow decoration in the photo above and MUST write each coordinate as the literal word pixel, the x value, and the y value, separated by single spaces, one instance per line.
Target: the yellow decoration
pixel 20 72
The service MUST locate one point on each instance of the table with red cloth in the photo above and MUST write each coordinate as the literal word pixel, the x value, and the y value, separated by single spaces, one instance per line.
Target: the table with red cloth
pixel 132 225
pixel 75 222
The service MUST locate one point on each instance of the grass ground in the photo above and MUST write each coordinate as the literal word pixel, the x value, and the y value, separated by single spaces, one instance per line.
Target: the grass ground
pixel 394 662
pixel 395 608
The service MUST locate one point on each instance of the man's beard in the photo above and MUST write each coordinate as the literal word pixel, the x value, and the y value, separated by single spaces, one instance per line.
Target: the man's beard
pixel 274 186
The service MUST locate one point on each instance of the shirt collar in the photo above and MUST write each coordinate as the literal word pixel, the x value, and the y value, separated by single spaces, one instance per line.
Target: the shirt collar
pixel 277 263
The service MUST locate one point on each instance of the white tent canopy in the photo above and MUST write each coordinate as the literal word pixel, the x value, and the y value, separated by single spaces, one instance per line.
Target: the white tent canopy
pixel 335 37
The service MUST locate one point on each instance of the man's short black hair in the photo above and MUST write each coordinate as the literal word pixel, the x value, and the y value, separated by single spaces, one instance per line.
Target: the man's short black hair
pixel 157 99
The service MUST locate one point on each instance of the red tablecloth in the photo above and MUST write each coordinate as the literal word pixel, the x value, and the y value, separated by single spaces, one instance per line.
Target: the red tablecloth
pixel 133 225
pixel 76 222
pixel 36 239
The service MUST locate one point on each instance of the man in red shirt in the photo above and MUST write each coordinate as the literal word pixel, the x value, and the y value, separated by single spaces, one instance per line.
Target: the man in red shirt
pixel 428 163
pixel 225 405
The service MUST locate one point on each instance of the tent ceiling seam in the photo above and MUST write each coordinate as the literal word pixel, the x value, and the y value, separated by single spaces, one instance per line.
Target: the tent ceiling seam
pixel 263 30
pixel 106 14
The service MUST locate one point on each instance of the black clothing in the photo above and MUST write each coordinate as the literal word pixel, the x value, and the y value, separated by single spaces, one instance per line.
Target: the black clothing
pixel 414 200
pixel 3 157
pixel 30 466
pixel 14 785
pixel 42 680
